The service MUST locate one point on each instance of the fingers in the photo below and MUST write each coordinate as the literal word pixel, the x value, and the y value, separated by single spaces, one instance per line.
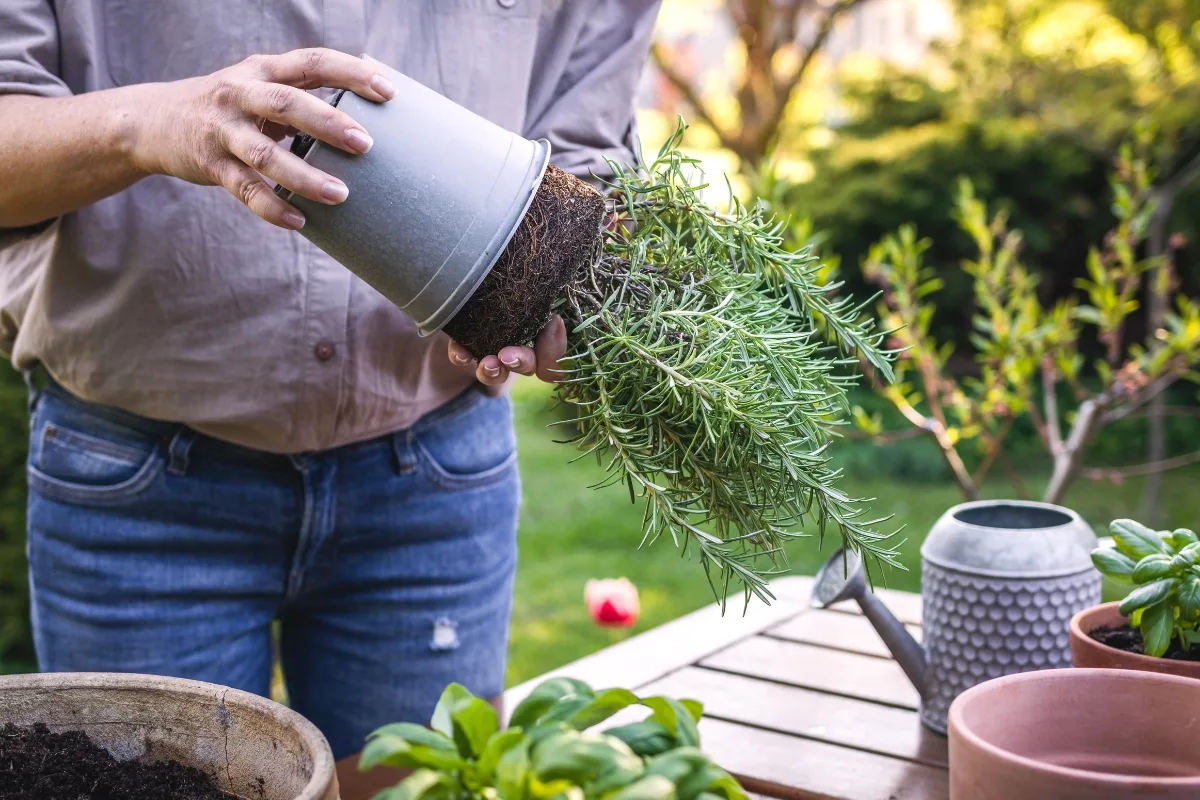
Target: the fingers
pixel 460 355
pixel 550 347
pixel 520 360
pixel 266 156
pixel 315 67
pixel 248 186
pixel 490 371
pixel 287 105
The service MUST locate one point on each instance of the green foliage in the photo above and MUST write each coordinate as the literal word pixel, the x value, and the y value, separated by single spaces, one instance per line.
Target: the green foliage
pixel 1163 567
pixel 549 751
pixel 700 364
pixel 16 645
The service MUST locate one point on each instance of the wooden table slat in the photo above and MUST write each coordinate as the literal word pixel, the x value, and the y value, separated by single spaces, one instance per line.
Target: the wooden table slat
pixel 650 655
pixel 837 630
pixel 850 674
pixel 784 766
pixel 803 712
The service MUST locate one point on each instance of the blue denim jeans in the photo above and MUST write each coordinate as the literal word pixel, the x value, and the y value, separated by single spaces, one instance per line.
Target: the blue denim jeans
pixel 389 564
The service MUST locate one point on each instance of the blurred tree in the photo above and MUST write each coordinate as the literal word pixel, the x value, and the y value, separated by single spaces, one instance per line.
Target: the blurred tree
pixel 1019 342
pixel 776 63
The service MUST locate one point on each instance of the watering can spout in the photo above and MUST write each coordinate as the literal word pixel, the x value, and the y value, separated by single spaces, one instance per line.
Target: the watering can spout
pixel 843 578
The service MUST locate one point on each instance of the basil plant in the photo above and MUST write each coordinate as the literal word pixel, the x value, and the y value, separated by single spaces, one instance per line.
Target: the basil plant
pixel 1164 568
pixel 549 751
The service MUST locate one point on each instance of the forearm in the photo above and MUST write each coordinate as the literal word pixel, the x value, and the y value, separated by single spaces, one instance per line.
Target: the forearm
pixel 58 154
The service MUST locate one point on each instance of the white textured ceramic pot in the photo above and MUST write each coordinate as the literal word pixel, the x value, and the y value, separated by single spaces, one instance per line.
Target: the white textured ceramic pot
pixel 1000 581
pixel 249 745
pixel 431 205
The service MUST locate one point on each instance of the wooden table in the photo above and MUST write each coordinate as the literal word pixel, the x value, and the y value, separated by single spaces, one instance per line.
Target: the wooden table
pixel 798 702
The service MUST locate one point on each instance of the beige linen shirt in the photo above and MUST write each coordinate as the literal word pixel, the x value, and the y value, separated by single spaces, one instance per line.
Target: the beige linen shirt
pixel 173 301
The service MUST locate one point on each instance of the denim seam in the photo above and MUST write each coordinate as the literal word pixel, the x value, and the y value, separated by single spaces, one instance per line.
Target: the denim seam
pixel 91 444
pixel 439 475
pixel 82 493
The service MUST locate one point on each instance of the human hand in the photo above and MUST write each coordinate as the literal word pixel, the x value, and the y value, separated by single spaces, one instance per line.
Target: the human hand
pixel 541 360
pixel 223 129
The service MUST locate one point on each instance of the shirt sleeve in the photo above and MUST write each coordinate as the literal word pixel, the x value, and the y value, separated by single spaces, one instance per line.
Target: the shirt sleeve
pixel 29 56
pixel 588 113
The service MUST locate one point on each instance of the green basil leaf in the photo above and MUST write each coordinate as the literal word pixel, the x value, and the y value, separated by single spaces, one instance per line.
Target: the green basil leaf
pixel 1157 625
pixel 1147 595
pixel 453 694
pixel 646 738
pixel 1191 552
pixel 416 734
pixel 694 707
pixel 1182 537
pixel 1187 595
pixel 1151 568
pixel 582 758
pixel 676 718
pixel 1134 539
pixel 496 747
pixel 678 764
pixel 474 721
pixel 420 784
pixel 601 707
pixel 1113 563
pixel 707 779
pixel 530 710
pixel 651 787
pixel 512 772
pixel 393 751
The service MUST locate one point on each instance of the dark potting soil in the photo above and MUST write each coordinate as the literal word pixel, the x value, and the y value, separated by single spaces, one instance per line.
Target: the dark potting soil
pixel 1127 638
pixel 36 764
pixel 559 235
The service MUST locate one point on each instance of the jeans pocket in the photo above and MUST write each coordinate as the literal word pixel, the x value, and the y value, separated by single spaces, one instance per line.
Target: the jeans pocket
pixel 468 443
pixel 97 467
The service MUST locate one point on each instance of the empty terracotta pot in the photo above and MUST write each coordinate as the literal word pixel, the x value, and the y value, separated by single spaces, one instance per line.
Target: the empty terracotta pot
pixel 1087 652
pixel 251 746
pixel 1076 734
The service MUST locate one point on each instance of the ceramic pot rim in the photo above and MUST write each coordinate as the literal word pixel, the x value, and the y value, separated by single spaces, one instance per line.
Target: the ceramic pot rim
pixel 1148 663
pixel 1008 576
pixel 322 756
pixel 958 728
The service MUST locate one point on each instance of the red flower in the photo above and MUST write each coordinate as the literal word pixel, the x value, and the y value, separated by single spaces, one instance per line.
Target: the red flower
pixel 612 603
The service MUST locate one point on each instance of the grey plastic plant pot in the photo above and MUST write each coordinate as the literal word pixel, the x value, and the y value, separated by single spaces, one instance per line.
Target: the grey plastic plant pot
pixel 431 205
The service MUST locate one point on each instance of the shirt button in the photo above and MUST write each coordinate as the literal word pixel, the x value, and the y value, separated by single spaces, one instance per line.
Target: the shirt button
pixel 325 350
pixel 506 3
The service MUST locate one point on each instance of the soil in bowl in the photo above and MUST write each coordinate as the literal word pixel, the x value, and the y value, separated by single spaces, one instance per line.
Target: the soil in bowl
pixel 559 235
pixel 1129 639
pixel 36 763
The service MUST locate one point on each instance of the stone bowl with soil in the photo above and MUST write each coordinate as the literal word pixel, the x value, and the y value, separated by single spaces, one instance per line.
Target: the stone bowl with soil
pixel 1102 637
pixel 67 736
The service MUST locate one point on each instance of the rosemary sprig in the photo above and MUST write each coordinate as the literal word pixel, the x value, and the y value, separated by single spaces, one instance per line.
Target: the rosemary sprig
pixel 709 366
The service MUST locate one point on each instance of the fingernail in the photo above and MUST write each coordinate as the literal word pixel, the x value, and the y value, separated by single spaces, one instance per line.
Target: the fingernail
pixel 511 362
pixel 462 360
pixel 293 220
pixel 358 140
pixel 334 191
pixel 492 372
pixel 383 86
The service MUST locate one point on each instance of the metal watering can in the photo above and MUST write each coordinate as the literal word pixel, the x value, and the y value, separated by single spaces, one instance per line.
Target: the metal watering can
pixel 1000 581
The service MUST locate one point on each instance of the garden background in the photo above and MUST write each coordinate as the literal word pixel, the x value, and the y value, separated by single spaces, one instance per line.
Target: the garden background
pixel 852 118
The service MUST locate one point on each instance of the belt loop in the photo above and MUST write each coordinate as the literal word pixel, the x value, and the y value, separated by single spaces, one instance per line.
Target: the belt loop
pixel 404 459
pixel 178 449
pixel 32 392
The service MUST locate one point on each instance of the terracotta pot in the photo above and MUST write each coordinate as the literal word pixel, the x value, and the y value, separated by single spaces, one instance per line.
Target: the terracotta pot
pixel 1087 652
pixel 1076 734
pixel 251 746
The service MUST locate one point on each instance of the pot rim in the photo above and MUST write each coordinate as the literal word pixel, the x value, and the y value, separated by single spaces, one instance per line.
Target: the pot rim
pixel 1077 631
pixel 1015 577
pixel 958 728
pixel 322 755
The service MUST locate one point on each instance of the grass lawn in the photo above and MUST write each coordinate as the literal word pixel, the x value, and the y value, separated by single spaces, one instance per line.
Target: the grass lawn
pixel 570 533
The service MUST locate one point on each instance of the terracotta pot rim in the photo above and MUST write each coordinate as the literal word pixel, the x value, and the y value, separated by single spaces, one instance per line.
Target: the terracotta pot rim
pixel 1142 782
pixel 1149 663
pixel 318 746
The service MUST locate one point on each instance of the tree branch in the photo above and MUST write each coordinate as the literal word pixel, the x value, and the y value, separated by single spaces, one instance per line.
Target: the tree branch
pixel 1050 401
pixel 1109 473
pixel 658 52
pixel 1066 465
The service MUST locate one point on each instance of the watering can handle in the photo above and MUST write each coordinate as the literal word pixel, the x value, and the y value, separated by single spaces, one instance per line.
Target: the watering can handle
pixel 906 650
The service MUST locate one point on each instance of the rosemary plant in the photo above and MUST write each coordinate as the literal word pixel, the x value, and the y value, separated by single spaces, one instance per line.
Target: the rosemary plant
pixel 709 365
